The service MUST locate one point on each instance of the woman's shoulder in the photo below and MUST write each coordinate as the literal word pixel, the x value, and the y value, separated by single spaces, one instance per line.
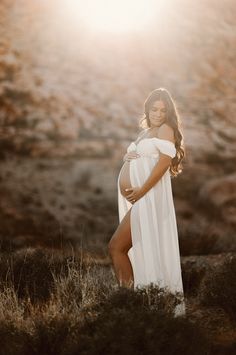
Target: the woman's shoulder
pixel 165 132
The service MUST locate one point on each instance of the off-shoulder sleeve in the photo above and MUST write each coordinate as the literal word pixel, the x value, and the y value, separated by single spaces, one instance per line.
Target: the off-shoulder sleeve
pixel 165 147
pixel 131 147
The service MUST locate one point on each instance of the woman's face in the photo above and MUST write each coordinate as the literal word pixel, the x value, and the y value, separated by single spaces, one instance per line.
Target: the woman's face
pixel 157 113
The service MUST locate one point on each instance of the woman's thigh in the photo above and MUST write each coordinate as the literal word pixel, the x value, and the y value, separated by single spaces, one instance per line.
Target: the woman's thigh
pixel 121 239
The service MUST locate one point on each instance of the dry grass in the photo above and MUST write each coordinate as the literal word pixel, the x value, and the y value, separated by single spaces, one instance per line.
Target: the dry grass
pixel 66 303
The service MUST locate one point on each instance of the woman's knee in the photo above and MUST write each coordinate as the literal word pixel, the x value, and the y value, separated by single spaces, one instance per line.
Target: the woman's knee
pixel 121 239
pixel 114 248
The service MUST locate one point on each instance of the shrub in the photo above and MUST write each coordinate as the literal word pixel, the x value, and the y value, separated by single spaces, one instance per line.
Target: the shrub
pixel 14 339
pixel 135 323
pixel 218 288
pixel 193 271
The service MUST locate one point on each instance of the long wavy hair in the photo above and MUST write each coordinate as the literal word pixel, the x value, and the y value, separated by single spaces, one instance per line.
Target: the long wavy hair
pixel 172 119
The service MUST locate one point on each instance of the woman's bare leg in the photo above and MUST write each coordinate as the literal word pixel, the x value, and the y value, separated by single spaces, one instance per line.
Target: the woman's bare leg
pixel 119 246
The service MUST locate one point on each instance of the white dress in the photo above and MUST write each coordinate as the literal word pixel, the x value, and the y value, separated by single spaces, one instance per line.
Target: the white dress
pixel 154 254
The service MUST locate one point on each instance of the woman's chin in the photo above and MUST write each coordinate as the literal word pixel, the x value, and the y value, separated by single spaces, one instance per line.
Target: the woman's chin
pixel 156 124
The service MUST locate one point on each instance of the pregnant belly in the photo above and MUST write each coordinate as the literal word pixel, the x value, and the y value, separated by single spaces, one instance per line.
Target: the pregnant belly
pixel 124 179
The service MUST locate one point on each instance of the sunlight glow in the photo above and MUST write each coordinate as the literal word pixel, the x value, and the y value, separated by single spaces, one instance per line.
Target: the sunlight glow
pixel 114 16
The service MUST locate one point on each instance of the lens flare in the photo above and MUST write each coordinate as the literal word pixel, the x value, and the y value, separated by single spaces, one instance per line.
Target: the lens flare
pixel 114 16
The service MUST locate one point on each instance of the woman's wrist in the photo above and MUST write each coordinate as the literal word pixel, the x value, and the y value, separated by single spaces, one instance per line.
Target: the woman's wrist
pixel 142 191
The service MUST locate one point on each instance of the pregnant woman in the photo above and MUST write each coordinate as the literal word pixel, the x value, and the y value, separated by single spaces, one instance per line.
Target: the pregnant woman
pixel 145 247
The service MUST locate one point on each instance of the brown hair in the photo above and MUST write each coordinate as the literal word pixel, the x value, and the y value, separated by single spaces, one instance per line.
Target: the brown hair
pixel 172 119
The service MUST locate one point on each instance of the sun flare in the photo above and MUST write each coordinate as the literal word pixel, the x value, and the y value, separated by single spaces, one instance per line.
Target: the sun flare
pixel 114 16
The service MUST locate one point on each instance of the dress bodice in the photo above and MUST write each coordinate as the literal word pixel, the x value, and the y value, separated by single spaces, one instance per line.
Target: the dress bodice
pixel 151 147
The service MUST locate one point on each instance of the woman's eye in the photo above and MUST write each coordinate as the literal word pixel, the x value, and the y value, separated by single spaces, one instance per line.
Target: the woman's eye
pixel 154 109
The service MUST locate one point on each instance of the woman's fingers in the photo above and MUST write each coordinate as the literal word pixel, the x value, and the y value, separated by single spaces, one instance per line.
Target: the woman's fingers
pixel 132 155
pixel 130 200
pixel 129 194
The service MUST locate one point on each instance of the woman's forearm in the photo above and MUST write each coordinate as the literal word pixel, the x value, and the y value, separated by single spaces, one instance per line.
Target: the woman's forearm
pixel 158 171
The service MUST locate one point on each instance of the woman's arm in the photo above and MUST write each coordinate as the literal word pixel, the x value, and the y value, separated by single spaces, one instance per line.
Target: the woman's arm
pixel 163 164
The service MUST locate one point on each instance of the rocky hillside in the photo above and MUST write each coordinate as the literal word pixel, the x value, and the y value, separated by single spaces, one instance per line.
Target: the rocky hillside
pixel 70 104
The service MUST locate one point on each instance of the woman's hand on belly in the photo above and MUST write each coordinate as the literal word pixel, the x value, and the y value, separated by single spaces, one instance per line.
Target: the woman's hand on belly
pixel 134 195
pixel 131 155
